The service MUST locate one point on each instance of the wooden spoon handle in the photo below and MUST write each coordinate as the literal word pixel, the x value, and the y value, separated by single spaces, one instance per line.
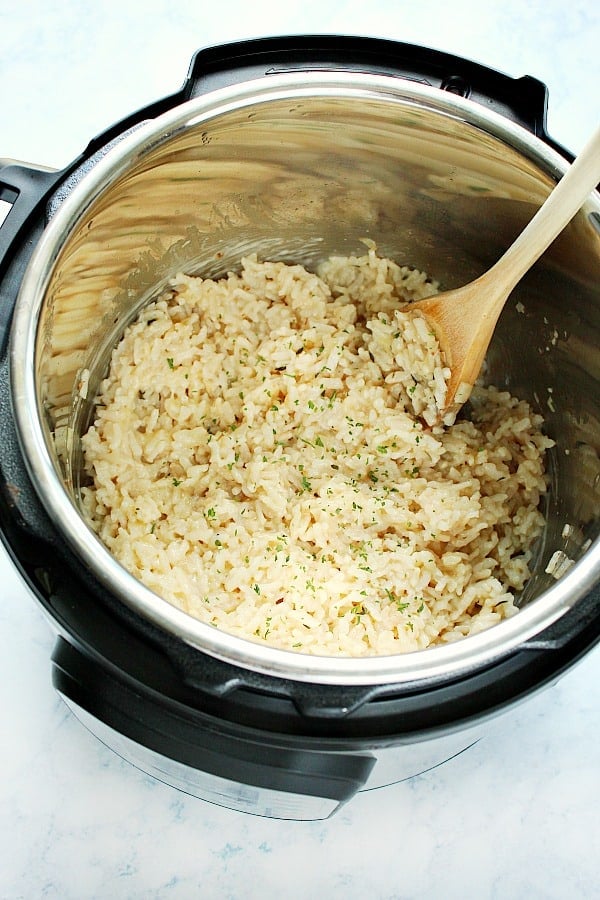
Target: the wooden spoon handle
pixel 566 199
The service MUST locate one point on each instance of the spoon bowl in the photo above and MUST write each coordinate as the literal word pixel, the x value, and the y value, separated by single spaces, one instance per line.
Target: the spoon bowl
pixel 464 319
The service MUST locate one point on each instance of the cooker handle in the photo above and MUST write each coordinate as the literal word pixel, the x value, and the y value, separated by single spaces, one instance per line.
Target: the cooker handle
pixel 23 189
pixel 522 100
pixel 222 679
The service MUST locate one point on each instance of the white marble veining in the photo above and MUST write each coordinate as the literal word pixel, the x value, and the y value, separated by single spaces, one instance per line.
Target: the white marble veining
pixel 517 815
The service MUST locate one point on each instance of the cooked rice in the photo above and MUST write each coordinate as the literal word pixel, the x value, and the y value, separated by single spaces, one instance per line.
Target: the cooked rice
pixel 263 458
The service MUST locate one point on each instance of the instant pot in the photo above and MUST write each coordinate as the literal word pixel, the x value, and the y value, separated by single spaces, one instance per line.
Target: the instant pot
pixel 294 148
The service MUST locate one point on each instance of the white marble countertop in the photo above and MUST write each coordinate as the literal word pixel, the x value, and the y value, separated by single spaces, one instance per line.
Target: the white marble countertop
pixel 516 816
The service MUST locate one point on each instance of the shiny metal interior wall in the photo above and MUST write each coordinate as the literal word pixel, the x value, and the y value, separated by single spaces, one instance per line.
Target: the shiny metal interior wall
pixel 299 168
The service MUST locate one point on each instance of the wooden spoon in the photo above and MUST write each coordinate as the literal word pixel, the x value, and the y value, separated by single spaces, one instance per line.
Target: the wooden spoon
pixel 464 319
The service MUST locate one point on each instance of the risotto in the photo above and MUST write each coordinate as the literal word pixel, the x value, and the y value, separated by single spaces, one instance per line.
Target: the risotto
pixel 264 456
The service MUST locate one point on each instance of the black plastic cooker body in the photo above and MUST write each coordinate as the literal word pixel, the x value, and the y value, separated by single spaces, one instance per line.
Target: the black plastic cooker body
pixel 149 686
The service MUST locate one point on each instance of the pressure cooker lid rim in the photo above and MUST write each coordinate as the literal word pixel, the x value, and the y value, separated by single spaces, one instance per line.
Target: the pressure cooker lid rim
pixel 462 655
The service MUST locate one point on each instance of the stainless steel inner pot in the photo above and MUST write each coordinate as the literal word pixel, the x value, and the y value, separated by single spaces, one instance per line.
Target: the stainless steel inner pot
pixel 297 167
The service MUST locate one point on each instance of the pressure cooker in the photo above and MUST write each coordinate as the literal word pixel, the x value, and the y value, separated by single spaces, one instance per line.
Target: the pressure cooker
pixel 294 148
